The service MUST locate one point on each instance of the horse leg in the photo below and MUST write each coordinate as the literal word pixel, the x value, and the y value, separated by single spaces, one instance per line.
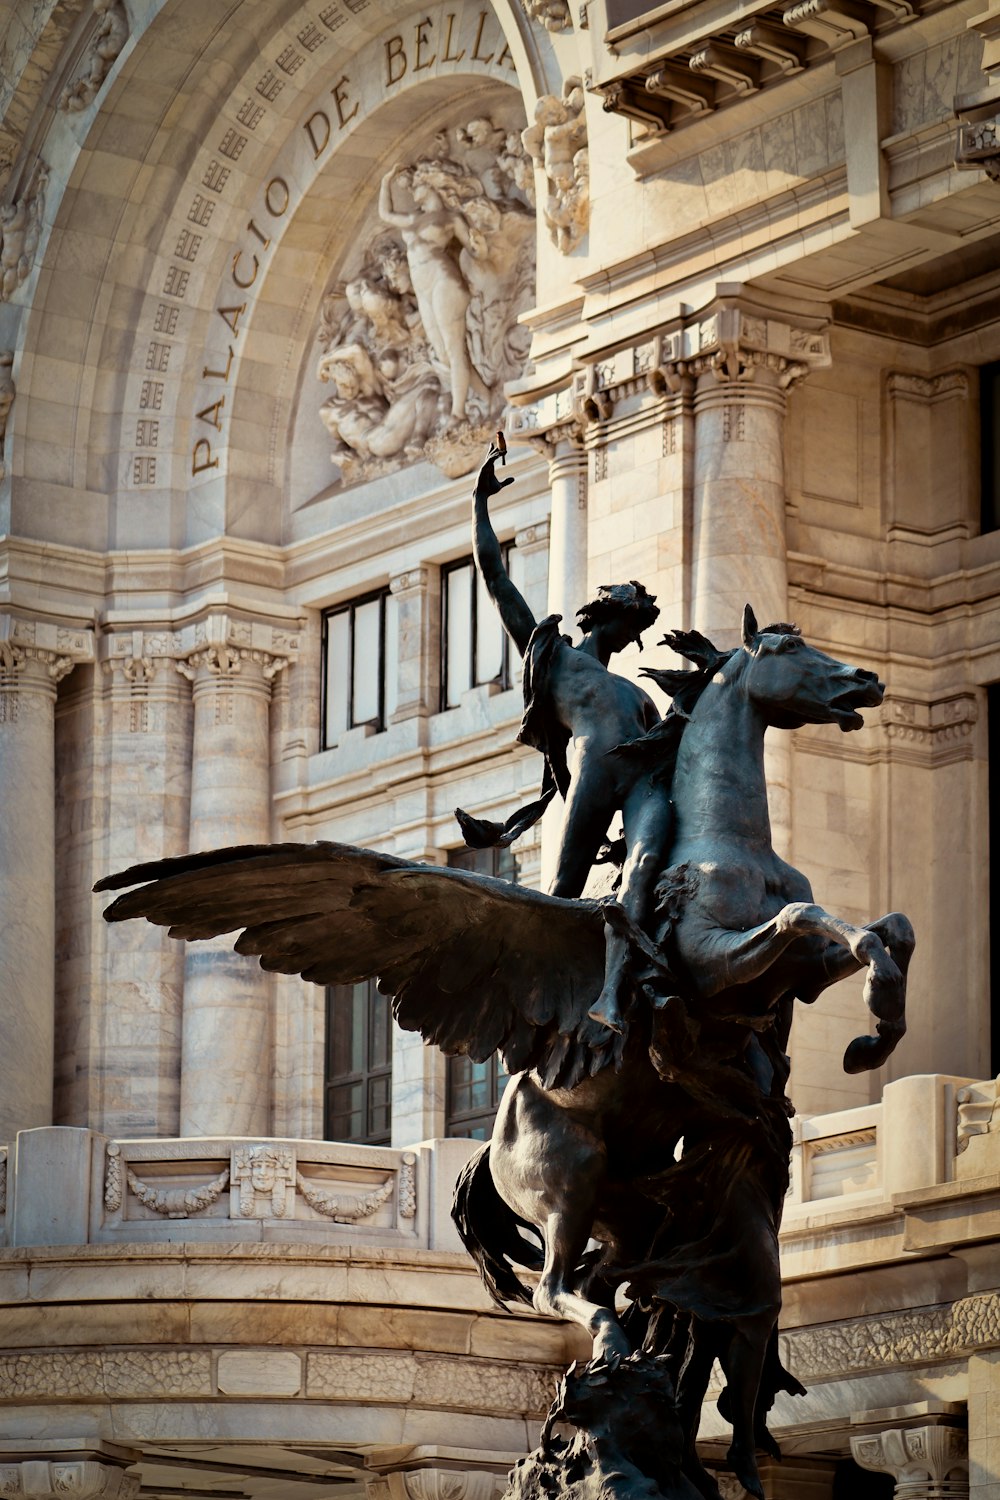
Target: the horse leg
pixel 647 820
pixel 566 1231
pixel 549 1168
pixel 885 1000
pixel 743 1363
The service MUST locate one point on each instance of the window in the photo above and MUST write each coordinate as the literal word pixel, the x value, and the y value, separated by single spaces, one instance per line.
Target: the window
pixel 360 646
pixel 474 1089
pixel 989 426
pixel 993 763
pixel 475 649
pixel 358 1064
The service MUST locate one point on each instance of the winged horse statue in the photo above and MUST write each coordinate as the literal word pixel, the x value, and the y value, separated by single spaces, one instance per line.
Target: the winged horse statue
pixel 667 1140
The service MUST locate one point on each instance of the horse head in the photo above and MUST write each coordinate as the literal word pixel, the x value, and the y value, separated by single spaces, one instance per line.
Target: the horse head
pixel 793 683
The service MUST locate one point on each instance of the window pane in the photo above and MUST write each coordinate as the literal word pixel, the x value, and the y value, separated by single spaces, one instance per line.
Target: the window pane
pixel 489 636
pixel 341 1024
pixel 458 646
pixel 379 1032
pixel 346 1115
pixel 391 657
pixel 516 562
pixel 367 662
pixel 379 1105
pixel 337 669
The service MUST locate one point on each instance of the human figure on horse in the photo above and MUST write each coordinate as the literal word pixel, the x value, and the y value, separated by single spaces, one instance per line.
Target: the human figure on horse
pixel 571 698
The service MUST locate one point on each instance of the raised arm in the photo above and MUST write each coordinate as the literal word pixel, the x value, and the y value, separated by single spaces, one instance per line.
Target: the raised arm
pixel 386 211
pixel 518 621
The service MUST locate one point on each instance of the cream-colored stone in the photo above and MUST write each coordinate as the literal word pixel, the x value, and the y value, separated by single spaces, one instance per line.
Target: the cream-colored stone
pixel 258 1373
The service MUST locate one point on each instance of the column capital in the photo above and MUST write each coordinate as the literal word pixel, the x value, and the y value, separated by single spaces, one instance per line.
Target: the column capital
pixel 77 1479
pixel 927 1463
pixel 220 645
pixel 533 538
pixel 433 1483
pixel 413 580
pixel 735 336
pixel 40 653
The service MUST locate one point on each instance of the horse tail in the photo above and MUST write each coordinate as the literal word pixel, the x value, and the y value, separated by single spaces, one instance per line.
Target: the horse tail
pixel 490 1231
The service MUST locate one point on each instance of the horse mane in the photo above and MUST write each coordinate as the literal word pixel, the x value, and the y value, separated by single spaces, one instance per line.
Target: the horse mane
pixel 684 687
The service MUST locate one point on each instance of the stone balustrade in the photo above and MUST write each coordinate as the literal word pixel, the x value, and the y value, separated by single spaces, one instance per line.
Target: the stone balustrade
pixel 898 1162
pixel 76 1187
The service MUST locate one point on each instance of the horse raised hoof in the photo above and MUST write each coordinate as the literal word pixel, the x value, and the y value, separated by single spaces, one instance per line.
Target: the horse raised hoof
pixel 868 1052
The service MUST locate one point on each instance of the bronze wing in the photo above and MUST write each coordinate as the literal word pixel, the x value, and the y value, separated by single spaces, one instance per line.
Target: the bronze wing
pixel 476 965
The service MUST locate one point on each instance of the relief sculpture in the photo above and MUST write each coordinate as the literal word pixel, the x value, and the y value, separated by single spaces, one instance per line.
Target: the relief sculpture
pixel 419 342
pixel 557 142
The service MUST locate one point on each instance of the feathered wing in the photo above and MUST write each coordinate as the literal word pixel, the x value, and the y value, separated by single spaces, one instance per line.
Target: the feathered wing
pixel 476 965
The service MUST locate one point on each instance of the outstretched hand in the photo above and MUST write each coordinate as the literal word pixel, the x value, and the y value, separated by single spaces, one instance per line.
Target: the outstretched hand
pixel 488 483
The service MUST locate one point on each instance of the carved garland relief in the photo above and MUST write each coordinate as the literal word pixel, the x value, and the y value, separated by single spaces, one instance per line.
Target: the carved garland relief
pixel 418 342
pixel 264 1180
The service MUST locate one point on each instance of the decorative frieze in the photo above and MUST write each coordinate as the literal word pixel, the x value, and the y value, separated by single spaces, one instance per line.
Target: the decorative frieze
pixel 178 1203
pixel 977 1112
pixel 732 343
pixel 978 145
pixel 264 1181
pixel 110 35
pixel 344 1208
pixel 85 1479
pixel 113 1178
pixel 930 733
pixel 554 15
pixel 8 391
pixel 20 232
pixel 557 143
pixel 407 1188
pixel 444 1484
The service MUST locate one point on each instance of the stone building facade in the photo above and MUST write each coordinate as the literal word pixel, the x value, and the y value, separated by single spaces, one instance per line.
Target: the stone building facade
pixel 271 273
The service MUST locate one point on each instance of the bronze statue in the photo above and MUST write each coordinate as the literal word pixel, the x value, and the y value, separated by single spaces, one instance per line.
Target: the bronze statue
pixel 570 697
pixel 585 1139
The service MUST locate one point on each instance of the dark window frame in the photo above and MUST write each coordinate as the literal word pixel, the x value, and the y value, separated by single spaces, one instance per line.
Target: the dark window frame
pixel 350 607
pixel 989 447
pixel 463 1122
pixel 370 1074
pixel 503 680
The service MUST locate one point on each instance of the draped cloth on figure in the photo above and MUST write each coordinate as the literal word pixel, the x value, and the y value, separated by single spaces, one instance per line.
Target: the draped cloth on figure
pixel 541 729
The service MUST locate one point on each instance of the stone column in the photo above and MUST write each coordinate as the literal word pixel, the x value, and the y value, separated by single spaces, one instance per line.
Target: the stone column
pixel 744 363
pixel 34 657
pixel 567 529
pixel 148 770
pixel 927 1463
pixel 226 1041
pixel 417 593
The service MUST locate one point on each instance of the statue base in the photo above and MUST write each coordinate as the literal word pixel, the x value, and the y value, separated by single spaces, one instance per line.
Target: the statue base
pixel 624 1438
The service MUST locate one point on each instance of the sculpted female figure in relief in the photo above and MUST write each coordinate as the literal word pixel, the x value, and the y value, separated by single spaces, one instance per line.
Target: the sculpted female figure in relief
pixel 434 236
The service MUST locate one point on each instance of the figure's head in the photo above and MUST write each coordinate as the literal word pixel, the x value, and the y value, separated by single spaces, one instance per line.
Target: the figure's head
pixel 350 370
pixel 395 268
pixel 621 612
pixel 437 184
pixel 793 683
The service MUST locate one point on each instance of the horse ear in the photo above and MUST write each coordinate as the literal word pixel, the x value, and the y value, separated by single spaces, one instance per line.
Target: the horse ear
pixel 749 627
